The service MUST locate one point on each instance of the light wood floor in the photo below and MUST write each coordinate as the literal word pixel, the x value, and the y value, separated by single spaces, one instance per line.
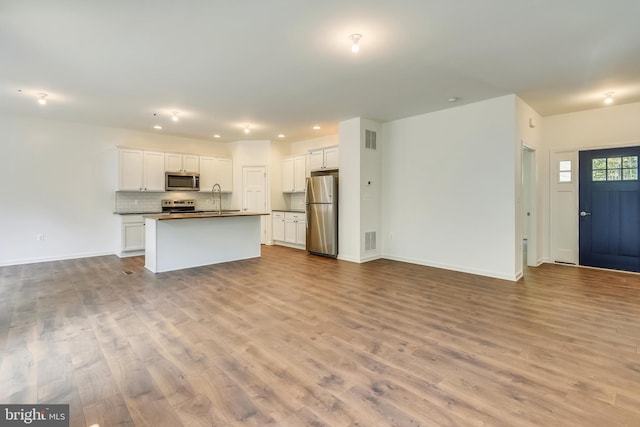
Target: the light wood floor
pixel 296 340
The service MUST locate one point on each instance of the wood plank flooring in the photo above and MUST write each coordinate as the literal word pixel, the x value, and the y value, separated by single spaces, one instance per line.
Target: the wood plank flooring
pixel 291 339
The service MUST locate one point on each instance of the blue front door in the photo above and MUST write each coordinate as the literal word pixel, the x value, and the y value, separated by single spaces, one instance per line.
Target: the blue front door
pixel 610 209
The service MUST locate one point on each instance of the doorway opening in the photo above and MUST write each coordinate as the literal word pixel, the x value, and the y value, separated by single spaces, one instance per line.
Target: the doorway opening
pixel 529 207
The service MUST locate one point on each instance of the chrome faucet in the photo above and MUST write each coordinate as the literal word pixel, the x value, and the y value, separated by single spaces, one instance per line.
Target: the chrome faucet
pixel 213 190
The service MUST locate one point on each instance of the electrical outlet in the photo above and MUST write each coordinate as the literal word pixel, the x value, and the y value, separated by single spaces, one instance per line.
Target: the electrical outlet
pixel 40 237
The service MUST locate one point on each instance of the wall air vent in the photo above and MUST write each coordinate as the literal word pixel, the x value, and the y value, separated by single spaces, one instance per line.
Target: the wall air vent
pixel 370 139
pixel 369 240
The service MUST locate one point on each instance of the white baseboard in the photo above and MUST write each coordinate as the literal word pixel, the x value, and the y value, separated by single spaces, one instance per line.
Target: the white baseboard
pixel 360 260
pixel 459 268
pixel 52 258
pixel 288 245
pixel 130 254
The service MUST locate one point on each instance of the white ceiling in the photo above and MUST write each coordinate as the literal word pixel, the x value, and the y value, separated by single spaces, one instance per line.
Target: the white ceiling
pixel 286 65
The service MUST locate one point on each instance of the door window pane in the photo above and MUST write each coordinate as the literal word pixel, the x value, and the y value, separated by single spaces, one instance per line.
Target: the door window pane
pixel 630 174
pixel 564 171
pixel 614 162
pixel 630 162
pixel 613 175
pixel 615 169
pixel 599 175
pixel 599 163
pixel 565 177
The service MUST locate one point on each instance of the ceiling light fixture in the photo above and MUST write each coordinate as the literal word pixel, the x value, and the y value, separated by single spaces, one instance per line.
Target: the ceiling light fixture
pixel 247 129
pixel 158 127
pixel 453 99
pixel 281 135
pixel 608 98
pixel 316 127
pixel 216 136
pixel 42 100
pixel 174 116
pixel 355 38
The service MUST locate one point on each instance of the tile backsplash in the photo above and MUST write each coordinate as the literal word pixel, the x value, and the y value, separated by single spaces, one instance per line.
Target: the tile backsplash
pixel 139 201
pixel 297 202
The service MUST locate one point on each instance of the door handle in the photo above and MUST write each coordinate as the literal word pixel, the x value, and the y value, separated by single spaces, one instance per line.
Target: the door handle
pixel 583 213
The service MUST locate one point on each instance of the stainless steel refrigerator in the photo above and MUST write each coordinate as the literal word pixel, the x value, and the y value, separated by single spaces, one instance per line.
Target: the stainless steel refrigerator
pixel 322 215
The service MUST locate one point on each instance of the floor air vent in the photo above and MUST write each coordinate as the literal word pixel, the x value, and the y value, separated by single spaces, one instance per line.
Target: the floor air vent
pixel 127 272
pixel 370 139
pixel 369 240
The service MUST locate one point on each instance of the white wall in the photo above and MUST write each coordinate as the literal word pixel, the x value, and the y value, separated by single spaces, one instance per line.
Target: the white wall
pixel 279 149
pixel 360 191
pixel 449 188
pixel 349 191
pixel 529 128
pixel 606 127
pixel 59 179
pixel 370 190
pixel 250 153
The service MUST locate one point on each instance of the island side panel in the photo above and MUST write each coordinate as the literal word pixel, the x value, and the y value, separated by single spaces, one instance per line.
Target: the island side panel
pixel 193 242
pixel 150 244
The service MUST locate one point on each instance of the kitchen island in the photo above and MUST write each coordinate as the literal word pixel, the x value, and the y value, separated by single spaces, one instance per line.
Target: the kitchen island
pixel 177 241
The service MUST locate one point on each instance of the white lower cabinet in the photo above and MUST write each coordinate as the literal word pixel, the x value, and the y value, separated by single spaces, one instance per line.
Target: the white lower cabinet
pixel 278 226
pixel 132 233
pixel 290 229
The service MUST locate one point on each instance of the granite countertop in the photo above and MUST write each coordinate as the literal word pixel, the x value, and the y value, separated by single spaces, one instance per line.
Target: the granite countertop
pixel 165 216
pixel 138 213
pixel 288 210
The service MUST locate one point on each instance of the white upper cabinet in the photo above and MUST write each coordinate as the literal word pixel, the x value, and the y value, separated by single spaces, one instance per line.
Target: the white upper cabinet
pixel 288 185
pixel 140 170
pixel 299 173
pixel 153 171
pixel 331 158
pixel 322 159
pixel 293 174
pixel 316 160
pixel 216 171
pixel 174 162
pixel 130 173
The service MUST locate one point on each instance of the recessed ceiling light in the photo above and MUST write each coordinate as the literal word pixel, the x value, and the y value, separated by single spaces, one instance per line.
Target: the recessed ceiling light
pixel 174 116
pixel 316 127
pixel 453 99
pixel 158 127
pixel 216 136
pixel 42 98
pixel 281 135
pixel 608 98
pixel 355 38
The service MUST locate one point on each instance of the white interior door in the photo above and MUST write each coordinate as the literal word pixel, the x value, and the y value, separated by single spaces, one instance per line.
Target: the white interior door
pixel 564 206
pixel 254 194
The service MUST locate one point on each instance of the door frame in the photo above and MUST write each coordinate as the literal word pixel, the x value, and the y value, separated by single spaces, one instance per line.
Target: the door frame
pixel 529 180
pixel 576 189
pixel 617 262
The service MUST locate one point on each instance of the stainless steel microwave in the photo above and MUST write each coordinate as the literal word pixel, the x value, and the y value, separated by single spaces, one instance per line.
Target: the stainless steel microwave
pixel 182 181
